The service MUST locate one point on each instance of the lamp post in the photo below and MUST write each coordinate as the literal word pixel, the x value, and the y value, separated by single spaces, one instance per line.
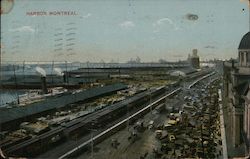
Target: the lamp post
pixel 91 137
pixel 150 100
pixel 128 114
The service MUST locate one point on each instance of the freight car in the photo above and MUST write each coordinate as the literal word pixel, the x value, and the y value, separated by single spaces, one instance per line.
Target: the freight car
pixel 103 117
pixel 80 126
pixel 38 144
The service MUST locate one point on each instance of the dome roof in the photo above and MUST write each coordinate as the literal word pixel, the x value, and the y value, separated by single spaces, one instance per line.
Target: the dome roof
pixel 245 42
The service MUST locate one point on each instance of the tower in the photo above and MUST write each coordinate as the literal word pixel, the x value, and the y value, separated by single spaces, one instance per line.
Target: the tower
pixel 244 47
pixel 195 60
pixel 244 51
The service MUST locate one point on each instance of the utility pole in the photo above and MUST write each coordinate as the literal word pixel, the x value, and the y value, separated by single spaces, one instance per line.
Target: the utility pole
pixel 1 66
pixel 14 70
pixel 203 149
pixel 88 71
pixel 128 116
pixel 66 75
pixel 92 139
pixel 24 72
pixel 52 69
pixel 92 144
pixel 150 101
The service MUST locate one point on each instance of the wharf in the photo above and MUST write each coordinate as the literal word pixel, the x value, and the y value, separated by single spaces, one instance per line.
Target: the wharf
pixel 13 116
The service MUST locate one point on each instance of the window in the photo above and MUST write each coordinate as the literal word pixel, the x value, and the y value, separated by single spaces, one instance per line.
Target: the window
pixel 248 56
pixel 242 56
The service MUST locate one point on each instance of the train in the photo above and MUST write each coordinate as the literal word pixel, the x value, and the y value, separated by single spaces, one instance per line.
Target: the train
pixel 79 127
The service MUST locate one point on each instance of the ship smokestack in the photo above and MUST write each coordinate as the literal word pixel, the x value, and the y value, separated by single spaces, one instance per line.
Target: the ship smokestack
pixel 44 85
pixel 42 73
pixel 64 78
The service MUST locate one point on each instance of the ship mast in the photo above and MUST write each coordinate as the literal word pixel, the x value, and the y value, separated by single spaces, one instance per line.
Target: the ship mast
pixel 1 102
pixel 1 66
pixel 249 12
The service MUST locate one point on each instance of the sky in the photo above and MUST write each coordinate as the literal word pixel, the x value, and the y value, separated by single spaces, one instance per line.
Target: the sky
pixel 118 30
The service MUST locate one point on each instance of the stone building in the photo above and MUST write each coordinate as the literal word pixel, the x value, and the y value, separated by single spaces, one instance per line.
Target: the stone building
pixel 236 99
pixel 247 121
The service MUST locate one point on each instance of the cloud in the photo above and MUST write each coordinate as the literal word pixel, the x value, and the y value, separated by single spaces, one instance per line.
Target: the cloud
pixel 71 54
pixel 210 47
pixel 86 16
pixel 23 29
pixel 156 31
pixel 163 21
pixel 127 24
pixel 59 54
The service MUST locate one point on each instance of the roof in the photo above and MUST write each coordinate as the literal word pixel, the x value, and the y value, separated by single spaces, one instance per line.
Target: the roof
pixel 245 42
pixel 186 70
pixel 178 73
pixel 10 114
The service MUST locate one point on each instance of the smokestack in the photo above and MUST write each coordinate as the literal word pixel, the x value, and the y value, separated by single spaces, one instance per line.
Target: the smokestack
pixel 44 85
pixel 42 73
pixel 64 78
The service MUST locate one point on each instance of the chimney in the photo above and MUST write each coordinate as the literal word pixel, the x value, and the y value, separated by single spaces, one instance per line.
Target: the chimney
pixel 64 78
pixel 44 85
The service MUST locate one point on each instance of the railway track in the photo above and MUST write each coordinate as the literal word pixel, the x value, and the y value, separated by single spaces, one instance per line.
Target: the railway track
pixel 78 126
pixel 96 138
pixel 120 124
pixel 98 119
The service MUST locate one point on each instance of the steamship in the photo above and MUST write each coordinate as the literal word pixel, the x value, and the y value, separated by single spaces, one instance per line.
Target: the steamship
pixel 37 95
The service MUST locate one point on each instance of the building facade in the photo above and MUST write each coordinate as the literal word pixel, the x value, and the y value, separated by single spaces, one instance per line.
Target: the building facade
pixel 236 91
pixel 247 121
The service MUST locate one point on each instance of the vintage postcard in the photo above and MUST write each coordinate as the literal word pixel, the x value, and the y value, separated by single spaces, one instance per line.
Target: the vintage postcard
pixel 125 79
